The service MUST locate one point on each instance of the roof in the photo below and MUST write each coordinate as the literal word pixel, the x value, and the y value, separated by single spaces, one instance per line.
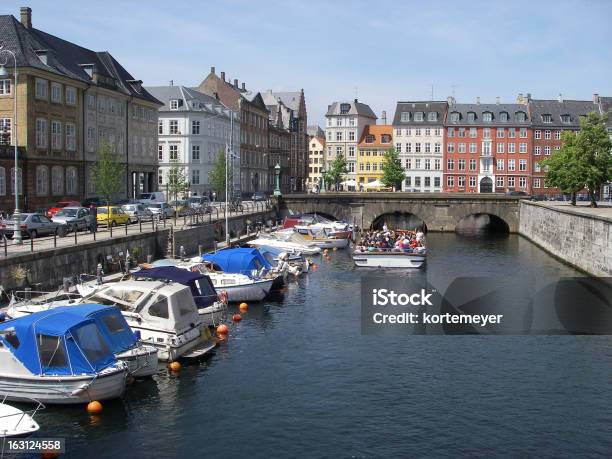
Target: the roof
pixel 496 110
pixel 605 104
pixel 289 99
pixel 425 107
pixel 354 108
pixel 320 139
pixel 315 130
pixel 281 115
pixel 376 132
pixel 65 58
pixel 557 108
pixel 189 100
pixel 172 273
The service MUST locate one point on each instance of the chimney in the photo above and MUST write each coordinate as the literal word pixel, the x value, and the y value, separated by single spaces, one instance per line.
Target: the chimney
pixel 356 101
pixel 595 98
pixel 384 117
pixel 478 100
pixel 236 83
pixel 171 82
pixel 560 97
pixel 497 100
pixel 243 86
pixel 223 76
pixel 26 17
pixel 212 70
pixel 528 97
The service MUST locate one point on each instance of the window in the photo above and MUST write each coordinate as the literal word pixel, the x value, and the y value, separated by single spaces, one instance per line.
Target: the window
pixel 461 164
pixel 500 147
pixel 500 133
pixel 160 308
pixel 405 117
pixel 71 180
pixel 511 148
pixel 195 128
pixel 40 91
pixel 417 147
pixel 91 139
pixel 522 147
pixel 437 132
pixel 437 164
pixel 56 92
pixel 523 133
pixel 504 117
pixel 461 147
pixel 557 135
pixel 472 181
pixel 174 104
pixel 566 119
pixel 450 164
pixel 487 117
pixel 546 118
pixel 473 148
pixel 408 181
pixel 42 180
pixel 2 181
pixel 537 150
pixel 427 147
pixel 500 164
pixel 536 183
pixel 409 147
pixel 417 182
pixel 486 148
pixel 471 116
pixel 473 133
pixel 499 182
pixel 461 132
pixel 537 134
pixel 451 132
pixel 70 95
pixel 486 133
pixel 547 150
pixel 510 182
pixel 173 152
pixel 522 164
pixel 56 135
pixel 384 138
pixel 339 136
pixel 427 131
pixel 351 151
pixel 174 127
pixel 57 180
pixel 521 117
pixel 160 127
pixel 432 116
pixel 511 133
pixel 437 147
pixel 450 181
pixel 195 153
pixel 5 131
pixel 195 177
pixel 70 136
pixel 91 101
pixel 472 164
pixel 351 135
pixel 417 163
pixel 5 87
pixel 51 352
pixel 417 132
pixel 450 148
pixel 511 165
pixel 536 167
pixel 408 163
pixel 437 182
pixel 398 147
pixel 454 117
pixel 345 108
pixel 418 116
pixel 461 181
pixel 427 164
pixel 41 133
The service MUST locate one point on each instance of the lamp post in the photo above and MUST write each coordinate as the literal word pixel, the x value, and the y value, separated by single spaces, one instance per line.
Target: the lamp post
pixel 3 73
pixel 277 190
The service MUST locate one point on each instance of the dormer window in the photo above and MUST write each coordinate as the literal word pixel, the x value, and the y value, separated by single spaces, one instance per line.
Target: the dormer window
pixel 521 117
pixel 546 118
pixel 174 104
pixel 418 116
pixel 471 116
pixel 454 117
pixel 405 117
pixel 385 138
pixel 566 119
pixel 345 108
pixel 432 116
pixel 504 117
pixel 487 117
pixel 369 138
pixel 136 85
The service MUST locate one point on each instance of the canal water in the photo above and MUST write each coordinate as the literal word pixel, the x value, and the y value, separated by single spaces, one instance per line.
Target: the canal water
pixel 298 379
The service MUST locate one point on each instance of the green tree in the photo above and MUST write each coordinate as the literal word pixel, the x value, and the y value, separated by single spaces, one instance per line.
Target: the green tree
pixel 336 171
pixel 393 172
pixel 218 174
pixel 108 173
pixel 584 161
pixel 176 181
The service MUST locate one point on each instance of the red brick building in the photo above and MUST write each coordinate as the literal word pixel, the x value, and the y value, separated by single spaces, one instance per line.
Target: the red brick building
pixel 487 148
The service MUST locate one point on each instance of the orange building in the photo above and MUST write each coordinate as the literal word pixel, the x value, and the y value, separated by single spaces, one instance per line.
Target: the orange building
pixel 373 144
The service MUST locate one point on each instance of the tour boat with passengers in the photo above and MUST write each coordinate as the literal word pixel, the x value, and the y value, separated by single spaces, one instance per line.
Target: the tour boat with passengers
pixel 391 249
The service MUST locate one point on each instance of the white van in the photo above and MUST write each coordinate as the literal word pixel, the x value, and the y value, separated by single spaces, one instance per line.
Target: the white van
pixel 149 198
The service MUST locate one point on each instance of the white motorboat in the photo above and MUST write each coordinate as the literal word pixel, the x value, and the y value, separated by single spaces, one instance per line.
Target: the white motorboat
pixel 140 358
pixel 286 245
pixel 17 423
pixel 58 356
pixel 318 239
pixel 162 313
pixel 389 259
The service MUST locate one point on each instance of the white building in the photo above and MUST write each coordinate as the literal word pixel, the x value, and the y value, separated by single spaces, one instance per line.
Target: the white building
pixel 193 130
pixel 418 135
pixel 345 124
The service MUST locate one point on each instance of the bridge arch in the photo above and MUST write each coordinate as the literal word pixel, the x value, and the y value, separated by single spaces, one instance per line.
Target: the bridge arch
pixel 479 223
pixel 399 220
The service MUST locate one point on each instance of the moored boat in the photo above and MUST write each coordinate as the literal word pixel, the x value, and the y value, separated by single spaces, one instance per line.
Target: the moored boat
pixel 389 259
pixel 18 423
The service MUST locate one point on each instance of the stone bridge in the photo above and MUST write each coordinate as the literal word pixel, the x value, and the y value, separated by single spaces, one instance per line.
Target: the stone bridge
pixel 439 211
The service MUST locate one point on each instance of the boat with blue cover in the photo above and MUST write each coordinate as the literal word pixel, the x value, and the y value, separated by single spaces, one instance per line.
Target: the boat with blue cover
pixel 58 356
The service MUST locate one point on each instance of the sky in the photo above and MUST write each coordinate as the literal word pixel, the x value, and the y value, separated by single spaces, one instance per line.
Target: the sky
pixel 381 52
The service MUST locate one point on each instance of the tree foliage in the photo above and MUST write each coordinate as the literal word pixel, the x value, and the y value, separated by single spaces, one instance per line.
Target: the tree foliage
pixel 218 174
pixel 584 160
pixel 336 171
pixel 393 172
pixel 108 173
pixel 176 180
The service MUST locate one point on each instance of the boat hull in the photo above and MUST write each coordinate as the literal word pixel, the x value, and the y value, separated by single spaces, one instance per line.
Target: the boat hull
pixel 16 423
pixel 389 260
pixel 141 360
pixel 247 292
pixel 64 390
pixel 330 243
pixel 213 315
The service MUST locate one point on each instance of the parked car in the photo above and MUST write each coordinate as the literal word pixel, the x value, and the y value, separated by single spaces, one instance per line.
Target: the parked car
pixel 137 212
pixel 181 206
pixel 161 210
pixel 96 202
pixel 200 203
pixel 148 198
pixel 75 218
pixel 259 196
pixel 111 216
pixel 33 225
pixel 60 205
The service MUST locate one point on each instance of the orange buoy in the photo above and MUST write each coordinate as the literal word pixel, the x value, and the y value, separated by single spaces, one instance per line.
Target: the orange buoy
pixel 222 336
pixel 130 380
pixel 222 329
pixel 236 317
pixel 244 307
pixel 174 366
pixel 94 407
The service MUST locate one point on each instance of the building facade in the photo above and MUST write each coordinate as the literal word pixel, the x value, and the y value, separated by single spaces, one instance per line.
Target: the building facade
pixel 488 148
pixel 57 91
pixel 252 166
pixel 280 148
pixel 345 122
pixel 194 129
pixel 549 118
pixel 418 129
pixel 375 140
pixel 316 159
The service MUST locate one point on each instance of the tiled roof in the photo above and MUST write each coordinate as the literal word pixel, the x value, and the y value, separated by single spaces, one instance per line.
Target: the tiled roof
pixel 496 111
pixel 437 107
pixel 375 132
pixel 556 109
pixel 186 97
pixel 354 108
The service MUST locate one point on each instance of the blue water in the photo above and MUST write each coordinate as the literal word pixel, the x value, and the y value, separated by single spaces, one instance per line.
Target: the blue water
pixel 297 379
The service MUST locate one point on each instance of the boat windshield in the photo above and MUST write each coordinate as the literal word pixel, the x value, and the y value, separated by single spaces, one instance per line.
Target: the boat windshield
pixel 51 352
pixel 91 342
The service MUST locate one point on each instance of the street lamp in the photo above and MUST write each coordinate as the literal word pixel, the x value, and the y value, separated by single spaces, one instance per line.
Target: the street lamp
pixel 3 73
pixel 277 190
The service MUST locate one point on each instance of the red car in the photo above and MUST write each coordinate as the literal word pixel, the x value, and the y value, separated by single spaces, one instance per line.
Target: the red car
pixel 55 209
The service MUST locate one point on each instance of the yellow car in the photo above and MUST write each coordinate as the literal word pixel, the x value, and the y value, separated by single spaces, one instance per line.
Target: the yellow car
pixel 112 215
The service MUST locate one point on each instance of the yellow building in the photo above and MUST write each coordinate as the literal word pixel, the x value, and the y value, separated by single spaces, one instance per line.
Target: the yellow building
pixel 374 143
